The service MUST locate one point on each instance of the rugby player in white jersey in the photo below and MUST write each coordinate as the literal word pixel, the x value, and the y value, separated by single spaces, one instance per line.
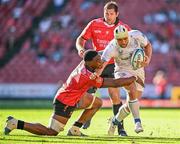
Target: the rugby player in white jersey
pixel 121 49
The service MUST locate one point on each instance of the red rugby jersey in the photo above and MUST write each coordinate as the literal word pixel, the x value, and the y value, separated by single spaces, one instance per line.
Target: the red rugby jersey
pixel 76 85
pixel 100 33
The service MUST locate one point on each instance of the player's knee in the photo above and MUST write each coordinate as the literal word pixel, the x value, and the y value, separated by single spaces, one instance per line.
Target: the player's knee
pixel 97 103
pixel 114 93
pixel 132 91
pixel 55 127
pixel 115 97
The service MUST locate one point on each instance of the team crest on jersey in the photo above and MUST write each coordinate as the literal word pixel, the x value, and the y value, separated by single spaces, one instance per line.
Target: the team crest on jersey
pixel 123 55
pixel 107 32
pixel 122 74
pixel 120 51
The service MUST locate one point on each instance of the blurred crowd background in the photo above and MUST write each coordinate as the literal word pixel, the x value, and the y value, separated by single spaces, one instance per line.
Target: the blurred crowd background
pixel 37 38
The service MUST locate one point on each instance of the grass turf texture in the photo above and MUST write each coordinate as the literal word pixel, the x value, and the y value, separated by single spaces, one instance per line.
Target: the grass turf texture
pixel 160 126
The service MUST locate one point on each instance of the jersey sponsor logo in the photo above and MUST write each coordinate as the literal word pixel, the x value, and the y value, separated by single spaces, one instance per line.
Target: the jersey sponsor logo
pixel 102 43
pixel 97 31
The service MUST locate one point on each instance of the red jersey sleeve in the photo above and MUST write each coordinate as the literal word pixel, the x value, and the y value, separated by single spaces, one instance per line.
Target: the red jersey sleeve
pixel 87 32
pixel 97 82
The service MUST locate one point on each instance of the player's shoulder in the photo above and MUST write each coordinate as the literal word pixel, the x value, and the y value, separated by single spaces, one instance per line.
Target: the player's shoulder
pixel 135 33
pixel 112 44
pixel 97 21
pixel 84 72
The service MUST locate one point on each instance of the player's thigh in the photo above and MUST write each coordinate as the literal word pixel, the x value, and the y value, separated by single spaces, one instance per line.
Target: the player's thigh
pixel 85 101
pixel 62 112
pixel 89 101
pixel 128 73
pixel 114 93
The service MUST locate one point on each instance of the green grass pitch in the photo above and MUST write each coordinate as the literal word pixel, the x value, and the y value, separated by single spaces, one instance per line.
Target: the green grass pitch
pixel 160 126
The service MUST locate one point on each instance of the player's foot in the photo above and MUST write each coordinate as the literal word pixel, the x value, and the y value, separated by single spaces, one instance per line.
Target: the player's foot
pixel 113 125
pixel 138 127
pixel 87 124
pixel 11 123
pixel 72 132
pixel 121 130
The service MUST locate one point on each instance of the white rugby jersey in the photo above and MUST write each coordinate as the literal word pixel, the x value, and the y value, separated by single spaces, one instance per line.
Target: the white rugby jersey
pixel 122 56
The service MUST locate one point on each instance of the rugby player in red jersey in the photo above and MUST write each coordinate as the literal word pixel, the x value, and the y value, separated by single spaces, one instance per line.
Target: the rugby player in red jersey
pixel 100 31
pixel 73 92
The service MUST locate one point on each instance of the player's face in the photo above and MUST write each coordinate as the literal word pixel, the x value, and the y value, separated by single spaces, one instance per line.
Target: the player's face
pixel 110 16
pixel 123 42
pixel 97 63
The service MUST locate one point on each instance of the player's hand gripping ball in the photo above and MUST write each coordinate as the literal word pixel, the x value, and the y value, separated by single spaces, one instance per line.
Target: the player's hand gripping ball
pixel 137 58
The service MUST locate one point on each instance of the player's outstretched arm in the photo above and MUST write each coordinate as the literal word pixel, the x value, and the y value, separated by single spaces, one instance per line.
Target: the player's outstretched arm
pixel 80 42
pixel 110 82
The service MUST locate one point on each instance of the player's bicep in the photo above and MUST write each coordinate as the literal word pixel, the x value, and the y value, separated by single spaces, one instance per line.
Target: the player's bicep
pixel 87 32
pixel 143 40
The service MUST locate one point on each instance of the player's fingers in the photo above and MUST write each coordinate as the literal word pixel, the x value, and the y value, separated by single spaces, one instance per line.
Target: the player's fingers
pixel 146 58
pixel 146 61
pixel 92 76
pixel 81 53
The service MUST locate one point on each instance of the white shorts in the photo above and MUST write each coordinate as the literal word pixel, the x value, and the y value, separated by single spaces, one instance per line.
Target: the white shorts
pixel 128 73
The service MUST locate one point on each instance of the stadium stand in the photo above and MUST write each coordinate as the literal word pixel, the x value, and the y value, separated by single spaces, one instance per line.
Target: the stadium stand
pixel 49 55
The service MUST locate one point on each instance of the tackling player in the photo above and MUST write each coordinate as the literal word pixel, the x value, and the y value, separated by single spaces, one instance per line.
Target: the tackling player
pixel 121 49
pixel 100 32
pixel 72 92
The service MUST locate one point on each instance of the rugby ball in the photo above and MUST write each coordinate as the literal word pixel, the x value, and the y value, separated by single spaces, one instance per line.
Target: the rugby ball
pixel 137 57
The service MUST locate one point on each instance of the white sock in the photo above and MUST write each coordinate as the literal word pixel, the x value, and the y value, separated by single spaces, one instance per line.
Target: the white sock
pixel 123 113
pixel 134 107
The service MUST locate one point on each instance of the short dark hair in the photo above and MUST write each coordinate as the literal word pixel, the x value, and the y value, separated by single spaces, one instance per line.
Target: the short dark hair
pixel 89 55
pixel 111 5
